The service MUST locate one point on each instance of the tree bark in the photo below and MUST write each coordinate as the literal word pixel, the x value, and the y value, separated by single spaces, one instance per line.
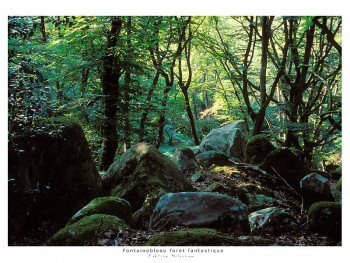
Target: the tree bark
pixel 110 86
pixel 42 28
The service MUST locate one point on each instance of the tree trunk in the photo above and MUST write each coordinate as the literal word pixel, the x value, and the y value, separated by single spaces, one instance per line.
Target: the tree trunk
pixel 145 112
pixel 42 28
pixel 110 86
pixel 190 116
pixel 161 121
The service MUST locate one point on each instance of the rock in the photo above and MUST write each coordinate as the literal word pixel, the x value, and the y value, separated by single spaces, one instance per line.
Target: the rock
pixel 260 201
pixel 323 173
pixel 201 209
pixel 198 177
pixel 141 176
pixel 108 205
pixel 51 174
pixel 230 139
pixel 88 230
pixel 202 237
pixel 338 186
pixel 272 220
pixel 336 173
pixel 325 219
pixel 258 147
pixel 208 158
pixel 184 158
pixel 316 183
pixel 315 188
pixel 287 164
pixel 196 150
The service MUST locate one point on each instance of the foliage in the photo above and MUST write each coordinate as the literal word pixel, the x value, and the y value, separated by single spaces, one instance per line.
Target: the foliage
pixel 56 65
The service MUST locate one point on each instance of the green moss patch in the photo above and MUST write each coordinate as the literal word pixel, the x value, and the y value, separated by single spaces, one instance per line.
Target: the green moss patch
pixel 86 230
pixel 202 237
pixel 108 205
pixel 325 218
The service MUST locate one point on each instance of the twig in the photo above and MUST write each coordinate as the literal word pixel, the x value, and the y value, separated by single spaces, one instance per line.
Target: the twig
pixel 286 183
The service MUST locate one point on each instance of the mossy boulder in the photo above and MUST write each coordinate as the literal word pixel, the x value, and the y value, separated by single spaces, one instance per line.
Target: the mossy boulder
pixel 325 218
pixel 287 164
pixel 202 237
pixel 184 158
pixel 51 174
pixel 258 147
pixel 108 205
pixel 338 186
pixel 230 139
pixel 88 231
pixel 206 159
pixel 141 176
pixel 315 188
pixel 201 209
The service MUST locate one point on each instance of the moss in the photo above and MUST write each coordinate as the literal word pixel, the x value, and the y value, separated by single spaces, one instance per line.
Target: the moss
pixel 202 237
pixel 86 229
pixel 257 148
pixel 325 218
pixel 339 244
pixel 338 186
pixel 108 205
pixel 186 151
pixel 142 173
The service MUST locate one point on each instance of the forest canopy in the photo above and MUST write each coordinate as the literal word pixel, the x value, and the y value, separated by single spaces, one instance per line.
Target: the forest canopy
pixel 170 80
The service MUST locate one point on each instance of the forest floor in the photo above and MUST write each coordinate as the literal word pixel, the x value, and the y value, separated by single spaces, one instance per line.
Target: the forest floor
pixel 300 236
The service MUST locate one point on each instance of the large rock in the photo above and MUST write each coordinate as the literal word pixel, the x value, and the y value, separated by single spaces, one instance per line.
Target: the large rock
pixel 230 139
pixel 141 176
pixel 315 188
pixel 51 174
pixel 208 158
pixel 272 220
pixel 98 229
pixel 287 164
pixel 108 205
pixel 184 158
pixel 201 209
pixel 258 147
pixel 325 218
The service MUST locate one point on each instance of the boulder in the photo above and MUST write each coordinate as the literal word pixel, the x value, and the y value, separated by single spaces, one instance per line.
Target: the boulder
pixel 230 139
pixel 90 230
pixel 108 205
pixel 206 159
pixel 202 237
pixel 196 150
pixel 184 158
pixel 339 184
pixel 336 173
pixel 287 164
pixel 201 209
pixel 258 147
pixel 272 220
pixel 51 174
pixel 315 188
pixel 325 219
pixel 141 176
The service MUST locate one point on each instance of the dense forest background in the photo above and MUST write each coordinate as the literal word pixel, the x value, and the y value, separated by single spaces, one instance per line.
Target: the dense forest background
pixel 170 80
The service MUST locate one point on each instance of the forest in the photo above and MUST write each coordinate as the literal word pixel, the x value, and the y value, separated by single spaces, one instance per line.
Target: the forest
pixel 245 111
